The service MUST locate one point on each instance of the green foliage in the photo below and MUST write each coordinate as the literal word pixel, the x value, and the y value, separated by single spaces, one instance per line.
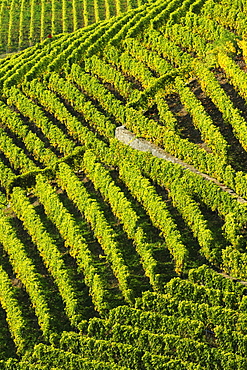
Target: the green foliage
pixel 158 212
pixel 71 233
pixel 25 270
pixel 100 226
pixel 49 251
pixel 61 102
pixel 124 211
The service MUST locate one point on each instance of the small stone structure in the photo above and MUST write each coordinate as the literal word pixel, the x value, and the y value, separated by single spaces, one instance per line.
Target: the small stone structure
pixel 127 137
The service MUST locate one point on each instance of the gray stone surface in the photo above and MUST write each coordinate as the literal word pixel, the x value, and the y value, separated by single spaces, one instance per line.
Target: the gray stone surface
pixel 127 137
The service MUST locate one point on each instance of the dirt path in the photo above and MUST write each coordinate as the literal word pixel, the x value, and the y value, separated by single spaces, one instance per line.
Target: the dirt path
pixel 128 138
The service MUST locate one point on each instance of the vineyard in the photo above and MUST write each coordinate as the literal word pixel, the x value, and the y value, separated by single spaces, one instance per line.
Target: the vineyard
pixel 24 23
pixel 113 257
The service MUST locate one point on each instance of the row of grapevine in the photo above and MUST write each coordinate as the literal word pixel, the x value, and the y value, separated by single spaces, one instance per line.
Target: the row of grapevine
pixel 161 332
pixel 165 173
pixel 119 219
pixel 129 354
pixel 17 323
pixel 141 126
pixel 124 211
pixel 13 20
pixel 145 193
pixel 222 101
pixel 57 138
pixel 230 114
pixel 110 75
pixel 205 276
pixel 51 102
pixel 187 207
pixel 50 356
pixel 230 15
pixel 78 248
pixel 234 73
pixel 49 251
pixel 26 22
pixel 186 290
pixel 85 107
pixel 150 321
pixel 32 143
pixel 210 316
pixel 101 228
pixel 26 272
pixel 4 21
pixel 7 175
pixel 210 133
pixel 15 154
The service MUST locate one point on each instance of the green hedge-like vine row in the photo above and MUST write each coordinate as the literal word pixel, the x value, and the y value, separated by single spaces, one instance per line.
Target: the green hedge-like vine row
pixel 49 251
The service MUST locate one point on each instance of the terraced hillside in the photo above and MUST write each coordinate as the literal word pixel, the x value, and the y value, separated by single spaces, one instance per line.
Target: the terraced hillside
pixel 112 257
pixel 26 22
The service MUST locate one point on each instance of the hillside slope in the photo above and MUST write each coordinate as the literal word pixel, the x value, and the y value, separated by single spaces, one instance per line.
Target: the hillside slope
pixel 112 257
pixel 25 22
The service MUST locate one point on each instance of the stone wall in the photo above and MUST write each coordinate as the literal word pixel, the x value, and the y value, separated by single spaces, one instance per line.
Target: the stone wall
pixel 128 138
